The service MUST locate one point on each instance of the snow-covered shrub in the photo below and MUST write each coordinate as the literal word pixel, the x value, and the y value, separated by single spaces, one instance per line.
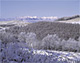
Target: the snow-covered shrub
pixel 0 51
pixel 2 29
pixel 32 41
pixel 70 45
pixel 79 39
pixel 30 38
pixel 55 43
pixel 51 42
pixel 79 43
pixel 7 37
pixel 14 52
pixel 22 37
pixel 0 45
pixel 79 46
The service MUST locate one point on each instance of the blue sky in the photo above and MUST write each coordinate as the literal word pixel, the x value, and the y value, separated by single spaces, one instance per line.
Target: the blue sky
pixel 40 8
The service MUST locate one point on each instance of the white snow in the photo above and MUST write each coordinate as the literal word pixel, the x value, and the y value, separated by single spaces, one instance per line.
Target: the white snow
pixel 16 53
pixel 73 22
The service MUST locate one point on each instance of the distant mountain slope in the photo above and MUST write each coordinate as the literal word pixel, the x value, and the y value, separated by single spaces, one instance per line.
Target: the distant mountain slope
pixel 30 19
pixel 68 18
pixel 72 19
pixel 7 24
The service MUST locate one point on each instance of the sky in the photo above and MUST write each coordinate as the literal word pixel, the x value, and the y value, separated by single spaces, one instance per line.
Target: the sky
pixel 40 8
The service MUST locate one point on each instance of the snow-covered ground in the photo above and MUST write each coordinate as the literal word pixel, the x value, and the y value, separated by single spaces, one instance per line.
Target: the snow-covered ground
pixel 44 56
pixel 16 53
pixel 16 22
pixel 73 21
pixel 76 22
pixel 58 56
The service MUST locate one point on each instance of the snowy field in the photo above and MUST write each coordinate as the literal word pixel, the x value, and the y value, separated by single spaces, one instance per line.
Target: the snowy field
pixel 17 53
pixel 58 56
pixel 74 22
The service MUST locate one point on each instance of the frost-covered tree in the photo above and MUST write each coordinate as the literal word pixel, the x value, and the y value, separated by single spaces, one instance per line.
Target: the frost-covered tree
pixel 7 37
pixel 32 41
pixel 79 43
pixel 54 42
pixel 0 51
pixel 30 38
pixel 0 45
pixel 51 42
pixel 79 39
pixel 22 37
pixel 70 45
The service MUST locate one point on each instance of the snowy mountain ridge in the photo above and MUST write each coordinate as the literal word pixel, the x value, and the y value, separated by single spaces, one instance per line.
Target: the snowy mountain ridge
pixel 25 18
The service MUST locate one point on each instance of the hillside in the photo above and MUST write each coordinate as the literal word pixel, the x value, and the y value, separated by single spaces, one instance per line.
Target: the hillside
pixel 42 29
pixel 68 18
pixel 72 19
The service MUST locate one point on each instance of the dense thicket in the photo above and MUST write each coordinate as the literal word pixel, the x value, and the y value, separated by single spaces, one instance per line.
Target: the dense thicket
pixel 51 42
pixel 41 29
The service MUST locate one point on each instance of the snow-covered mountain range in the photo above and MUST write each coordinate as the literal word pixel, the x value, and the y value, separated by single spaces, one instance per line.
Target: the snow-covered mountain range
pixel 38 18
pixel 30 18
